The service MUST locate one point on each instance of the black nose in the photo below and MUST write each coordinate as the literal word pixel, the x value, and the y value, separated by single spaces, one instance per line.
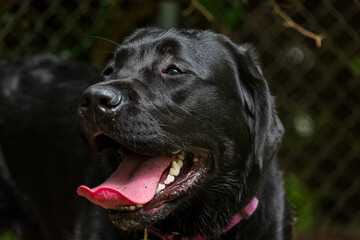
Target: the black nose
pixel 98 100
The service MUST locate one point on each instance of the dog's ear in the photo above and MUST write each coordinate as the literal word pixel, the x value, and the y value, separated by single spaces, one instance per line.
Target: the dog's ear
pixel 266 129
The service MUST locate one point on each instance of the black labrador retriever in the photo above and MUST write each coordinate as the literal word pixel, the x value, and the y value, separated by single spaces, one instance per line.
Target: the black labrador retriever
pixel 185 137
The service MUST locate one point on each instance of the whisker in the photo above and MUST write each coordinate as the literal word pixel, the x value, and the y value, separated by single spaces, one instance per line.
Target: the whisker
pixel 105 39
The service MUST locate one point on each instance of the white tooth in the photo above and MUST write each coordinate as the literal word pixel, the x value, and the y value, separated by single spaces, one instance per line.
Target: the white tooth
pixel 132 208
pixel 169 179
pixel 180 156
pixel 160 187
pixel 174 164
pixel 139 205
pixel 180 162
pixel 175 169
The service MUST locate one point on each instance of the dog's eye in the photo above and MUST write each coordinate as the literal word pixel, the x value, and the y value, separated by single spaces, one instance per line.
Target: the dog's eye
pixel 108 71
pixel 172 71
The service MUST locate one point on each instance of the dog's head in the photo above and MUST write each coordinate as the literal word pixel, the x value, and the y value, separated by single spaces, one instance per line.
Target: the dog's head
pixel 190 119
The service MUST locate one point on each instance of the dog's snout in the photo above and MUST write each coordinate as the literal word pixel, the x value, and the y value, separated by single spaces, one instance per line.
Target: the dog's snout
pixel 99 99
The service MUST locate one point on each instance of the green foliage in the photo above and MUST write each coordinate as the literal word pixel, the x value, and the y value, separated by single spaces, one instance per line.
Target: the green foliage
pixel 303 206
pixel 226 13
pixel 8 236
pixel 355 65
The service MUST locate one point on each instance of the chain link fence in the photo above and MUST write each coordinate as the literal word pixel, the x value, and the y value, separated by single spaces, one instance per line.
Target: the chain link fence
pixel 317 89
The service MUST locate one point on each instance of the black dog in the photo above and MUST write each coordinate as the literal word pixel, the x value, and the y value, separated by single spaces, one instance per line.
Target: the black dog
pixel 42 158
pixel 183 119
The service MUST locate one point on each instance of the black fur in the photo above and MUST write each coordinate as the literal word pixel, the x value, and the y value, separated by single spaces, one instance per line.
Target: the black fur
pixel 220 102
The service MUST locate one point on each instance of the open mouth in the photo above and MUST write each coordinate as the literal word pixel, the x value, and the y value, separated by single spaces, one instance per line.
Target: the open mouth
pixel 144 183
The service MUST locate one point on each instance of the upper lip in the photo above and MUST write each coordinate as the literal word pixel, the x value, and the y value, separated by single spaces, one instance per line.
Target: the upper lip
pixel 100 141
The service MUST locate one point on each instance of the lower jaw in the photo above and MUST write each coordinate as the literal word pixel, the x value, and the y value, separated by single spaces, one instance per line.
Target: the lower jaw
pixel 152 212
pixel 140 219
pixel 163 204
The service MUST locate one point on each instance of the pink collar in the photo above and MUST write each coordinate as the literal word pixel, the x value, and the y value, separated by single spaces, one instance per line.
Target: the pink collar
pixel 245 213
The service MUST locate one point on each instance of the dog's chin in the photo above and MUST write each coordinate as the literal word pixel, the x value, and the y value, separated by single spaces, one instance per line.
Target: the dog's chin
pixel 180 172
pixel 141 218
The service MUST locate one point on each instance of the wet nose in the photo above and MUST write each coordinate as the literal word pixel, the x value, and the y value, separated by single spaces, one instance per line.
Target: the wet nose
pixel 98 100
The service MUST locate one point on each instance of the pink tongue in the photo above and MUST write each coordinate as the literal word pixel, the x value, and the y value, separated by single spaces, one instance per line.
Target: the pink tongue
pixel 134 182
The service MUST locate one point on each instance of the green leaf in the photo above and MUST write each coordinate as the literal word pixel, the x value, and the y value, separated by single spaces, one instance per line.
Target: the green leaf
pixel 301 202
pixel 8 236
pixel 355 65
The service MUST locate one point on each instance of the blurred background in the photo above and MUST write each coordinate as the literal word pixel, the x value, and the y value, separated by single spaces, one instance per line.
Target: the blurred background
pixel 310 54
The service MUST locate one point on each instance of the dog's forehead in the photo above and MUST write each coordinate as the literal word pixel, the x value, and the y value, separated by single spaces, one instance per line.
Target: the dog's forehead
pixel 143 48
pixel 192 44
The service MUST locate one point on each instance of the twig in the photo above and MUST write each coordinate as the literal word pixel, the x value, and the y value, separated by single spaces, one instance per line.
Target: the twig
pixel 288 22
pixel 196 5
pixel 145 234
pixel 188 10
